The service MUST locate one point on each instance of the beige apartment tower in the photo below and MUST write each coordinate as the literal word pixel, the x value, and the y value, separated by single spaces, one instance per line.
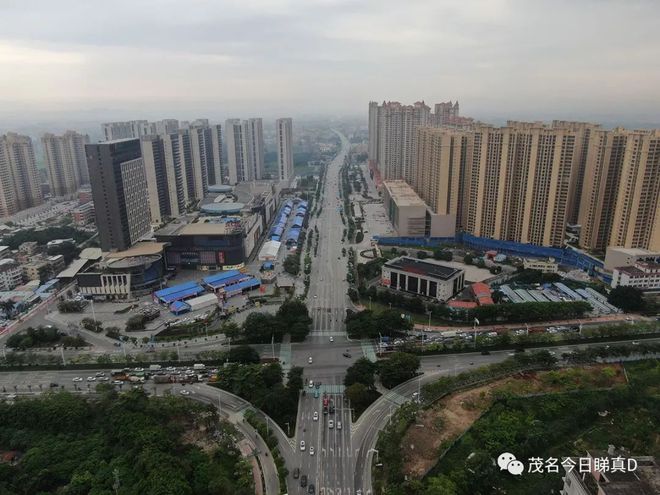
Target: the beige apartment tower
pixel 284 136
pixel 439 169
pixel 397 126
pixel 621 194
pixel 66 161
pixel 19 180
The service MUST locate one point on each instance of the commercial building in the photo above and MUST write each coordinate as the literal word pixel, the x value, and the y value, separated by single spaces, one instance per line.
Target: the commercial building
pixel 11 274
pixel 124 274
pixel 66 161
pixel 410 216
pixel 284 131
pixel 644 275
pixel 119 184
pixel 19 179
pixel 620 203
pixel 620 256
pixel 545 266
pixel 423 277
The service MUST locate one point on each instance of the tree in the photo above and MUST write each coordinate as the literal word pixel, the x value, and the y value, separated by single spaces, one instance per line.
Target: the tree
pixel 362 371
pixel 8 307
pixel 441 485
pixel 112 332
pixel 243 354
pixel 467 259
pixel 292 264
pixel 260 328
pixel 422 255
pixel 398 368
pixel 230 329
pixel 136 322
pixel 359 395
pixel 628 299
pixel 359 237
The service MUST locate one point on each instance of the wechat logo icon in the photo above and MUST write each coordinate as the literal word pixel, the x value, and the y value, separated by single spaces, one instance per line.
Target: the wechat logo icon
pixel 507 461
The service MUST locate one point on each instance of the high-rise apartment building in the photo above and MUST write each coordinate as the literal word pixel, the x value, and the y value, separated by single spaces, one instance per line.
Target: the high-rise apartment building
pixel 284 136
pixel 125 130
pixel 439 167
pixel 511 183
pixel 445 112
pixel 201 147
pixel 216 174
pixel 397 125
pixel 19 180
pixel 66 161
pixel 392 135
pixel 119 188
pixel 621 192
pixel 245 149
pixel 165 126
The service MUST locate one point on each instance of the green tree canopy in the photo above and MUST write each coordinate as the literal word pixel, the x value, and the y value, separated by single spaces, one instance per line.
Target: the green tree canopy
pixel 398 368
pixel 626 298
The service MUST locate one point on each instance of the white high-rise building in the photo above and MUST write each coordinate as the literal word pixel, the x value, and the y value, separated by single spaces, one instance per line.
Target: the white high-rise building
pixel 126 130
pixel 66 161
pixel 255 151
pixel 216 174
pixel 284 128
pixel 19 181
pixel 392 137
pixel 245 149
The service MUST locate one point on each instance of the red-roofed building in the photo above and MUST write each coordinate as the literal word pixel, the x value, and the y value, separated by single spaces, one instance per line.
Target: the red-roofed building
pixel 481 293
pixel 462 304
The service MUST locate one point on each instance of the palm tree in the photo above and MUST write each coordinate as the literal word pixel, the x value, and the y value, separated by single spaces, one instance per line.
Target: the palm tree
pixel 7 306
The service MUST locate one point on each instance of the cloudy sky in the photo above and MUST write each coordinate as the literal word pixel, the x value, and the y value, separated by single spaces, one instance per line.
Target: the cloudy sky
pixel 157 58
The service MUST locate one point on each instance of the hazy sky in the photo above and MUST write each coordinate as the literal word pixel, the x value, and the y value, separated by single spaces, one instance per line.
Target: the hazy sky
pixel 140 58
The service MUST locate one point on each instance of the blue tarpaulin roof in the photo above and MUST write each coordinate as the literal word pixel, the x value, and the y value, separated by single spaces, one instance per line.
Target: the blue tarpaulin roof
pixel 193 291
pixel 227 281
pixel 275 238
pixel 278 230
pixel 217 277
pixel 268 265
pixel 293 235
pixel 178 307
pixel 297 222
pixel 175 288
pixel 247 284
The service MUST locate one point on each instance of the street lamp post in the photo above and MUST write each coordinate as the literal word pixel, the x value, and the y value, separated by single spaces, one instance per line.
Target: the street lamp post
pixel 288 430
pixel 474 327
pixel 428 329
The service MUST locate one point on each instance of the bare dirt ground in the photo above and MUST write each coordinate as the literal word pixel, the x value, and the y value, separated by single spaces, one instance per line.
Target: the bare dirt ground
pixel 436 427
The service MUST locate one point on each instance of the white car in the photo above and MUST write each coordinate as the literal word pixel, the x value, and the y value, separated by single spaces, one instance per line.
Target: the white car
pixel 339 425
pixel 332 339
pixel 315 296
pixel 311 383
pixel 184 392
pixel 78 379
pixel 103 378
pixel 91 379
pixel 310 360
pixel 331 424
pixel 302 445
pixel 311 451
pixel 316 416
pixel 117 382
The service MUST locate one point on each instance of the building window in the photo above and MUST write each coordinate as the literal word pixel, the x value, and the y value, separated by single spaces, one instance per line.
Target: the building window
pixel 433 289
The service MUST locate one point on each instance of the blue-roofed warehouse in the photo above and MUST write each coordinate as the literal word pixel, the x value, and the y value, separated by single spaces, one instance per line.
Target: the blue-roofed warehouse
pixel 179 307
pixel 240 287
pixel 178 292
pixel 298 222
pixel 223 279
pixel 293 235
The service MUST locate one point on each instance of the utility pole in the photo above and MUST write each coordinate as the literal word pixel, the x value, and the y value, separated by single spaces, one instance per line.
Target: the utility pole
pixel 272 345
pixel 62 353
pixel 93 313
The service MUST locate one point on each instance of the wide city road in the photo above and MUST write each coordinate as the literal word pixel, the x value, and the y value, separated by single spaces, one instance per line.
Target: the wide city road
pixel 330 465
